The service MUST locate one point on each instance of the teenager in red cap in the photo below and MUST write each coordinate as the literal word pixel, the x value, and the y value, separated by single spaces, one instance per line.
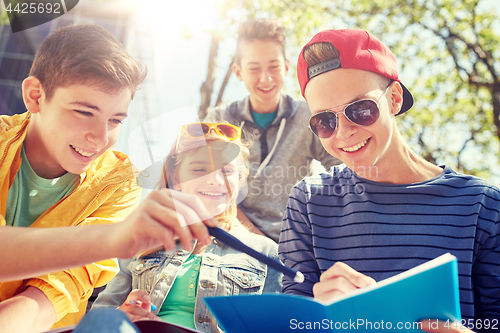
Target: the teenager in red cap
pixel 386 209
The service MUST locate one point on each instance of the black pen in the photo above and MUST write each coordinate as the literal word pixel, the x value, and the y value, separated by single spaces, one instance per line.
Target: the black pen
pixel 236 244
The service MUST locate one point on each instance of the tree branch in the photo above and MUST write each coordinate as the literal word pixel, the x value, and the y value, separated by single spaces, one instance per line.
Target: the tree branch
pixel 207 87
pixel 224 83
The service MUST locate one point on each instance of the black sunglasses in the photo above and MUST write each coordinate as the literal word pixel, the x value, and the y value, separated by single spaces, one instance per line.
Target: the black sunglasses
pixel 362 112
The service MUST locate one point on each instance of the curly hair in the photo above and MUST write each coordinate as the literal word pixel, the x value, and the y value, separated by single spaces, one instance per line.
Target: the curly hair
pixel 260 29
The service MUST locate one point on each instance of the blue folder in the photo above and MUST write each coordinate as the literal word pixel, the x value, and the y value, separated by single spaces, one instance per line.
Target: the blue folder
pixel 398 303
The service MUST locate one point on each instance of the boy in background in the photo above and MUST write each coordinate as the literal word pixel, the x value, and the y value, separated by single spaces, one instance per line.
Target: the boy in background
pixel 283 147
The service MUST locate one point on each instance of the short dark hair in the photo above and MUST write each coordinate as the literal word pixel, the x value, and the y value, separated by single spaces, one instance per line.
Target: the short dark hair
pixel 260 29
pixel 85 54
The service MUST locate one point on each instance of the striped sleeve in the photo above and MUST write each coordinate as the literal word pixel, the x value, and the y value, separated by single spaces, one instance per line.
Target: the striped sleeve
pixel 382 229
pixel 295 246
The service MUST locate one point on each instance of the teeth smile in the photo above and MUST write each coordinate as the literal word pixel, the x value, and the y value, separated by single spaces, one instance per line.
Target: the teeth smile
pixel 213 194
pixel 356 147
pixel 266 89
pixel 83 152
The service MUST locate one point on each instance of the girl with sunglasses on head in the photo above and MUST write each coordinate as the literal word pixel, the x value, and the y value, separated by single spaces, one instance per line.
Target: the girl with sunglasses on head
pixel 209 161
pixel 386 210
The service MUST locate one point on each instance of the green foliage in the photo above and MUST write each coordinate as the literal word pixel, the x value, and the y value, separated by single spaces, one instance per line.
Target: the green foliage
pixel 451 52
pixel 301 17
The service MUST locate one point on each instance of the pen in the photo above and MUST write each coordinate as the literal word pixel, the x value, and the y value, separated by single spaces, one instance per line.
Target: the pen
pixel 236 244
pixel 139 303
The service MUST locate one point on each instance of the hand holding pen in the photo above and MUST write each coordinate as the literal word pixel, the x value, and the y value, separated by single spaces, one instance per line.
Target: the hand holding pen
pixel 138 306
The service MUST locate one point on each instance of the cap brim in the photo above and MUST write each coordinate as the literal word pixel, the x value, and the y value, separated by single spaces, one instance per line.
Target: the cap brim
pixel 407 100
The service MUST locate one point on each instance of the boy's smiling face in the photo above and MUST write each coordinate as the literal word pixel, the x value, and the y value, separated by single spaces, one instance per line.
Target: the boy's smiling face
pixel 262 68
pixel 359 147
pixel 69 131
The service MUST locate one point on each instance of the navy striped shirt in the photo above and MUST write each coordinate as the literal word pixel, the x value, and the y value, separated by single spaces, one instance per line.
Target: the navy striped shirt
pixel 382 229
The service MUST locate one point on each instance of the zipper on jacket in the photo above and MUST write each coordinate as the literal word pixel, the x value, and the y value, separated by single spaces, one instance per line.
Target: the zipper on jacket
pixel 97 195
pixel 18 134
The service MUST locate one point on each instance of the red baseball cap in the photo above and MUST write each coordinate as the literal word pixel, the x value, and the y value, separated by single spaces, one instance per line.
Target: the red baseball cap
pixel 358 49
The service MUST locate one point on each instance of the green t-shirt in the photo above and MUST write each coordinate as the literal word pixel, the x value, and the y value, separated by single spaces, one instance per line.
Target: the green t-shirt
pixel 263 119
pixel 178 307
pixel 31 195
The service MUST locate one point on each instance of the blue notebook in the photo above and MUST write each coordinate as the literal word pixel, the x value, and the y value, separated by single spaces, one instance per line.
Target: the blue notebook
pixel 429 290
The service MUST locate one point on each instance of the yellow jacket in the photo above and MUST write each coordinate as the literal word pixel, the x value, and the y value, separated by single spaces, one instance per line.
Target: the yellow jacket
pixel 107 193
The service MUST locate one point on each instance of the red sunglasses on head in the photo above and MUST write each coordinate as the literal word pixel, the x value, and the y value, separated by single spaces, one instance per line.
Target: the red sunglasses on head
pixel 198 130
pixel 364 112
pixel 201 129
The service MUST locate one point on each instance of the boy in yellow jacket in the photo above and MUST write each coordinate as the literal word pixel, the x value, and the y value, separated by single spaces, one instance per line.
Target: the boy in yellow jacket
pixel 56 168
